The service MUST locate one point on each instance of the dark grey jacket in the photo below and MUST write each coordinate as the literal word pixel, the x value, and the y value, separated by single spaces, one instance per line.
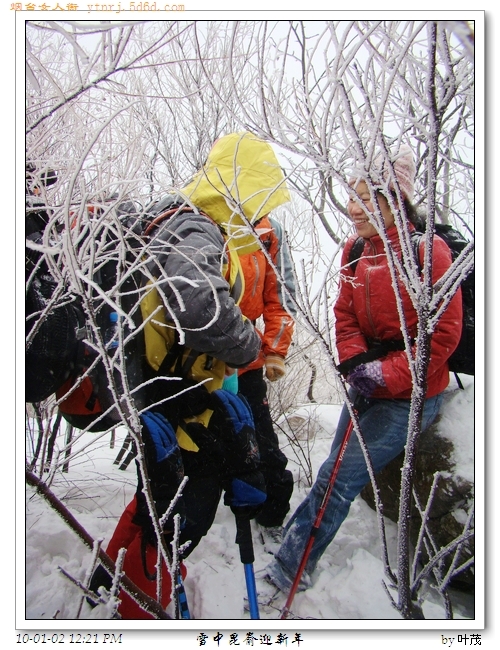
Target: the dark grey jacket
pixel 187 258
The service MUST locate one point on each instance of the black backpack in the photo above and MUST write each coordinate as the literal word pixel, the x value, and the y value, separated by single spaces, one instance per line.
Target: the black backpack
pixel 52 338
pixel 53 325
pixel 463 358
pixel 86 401
pixel 58 359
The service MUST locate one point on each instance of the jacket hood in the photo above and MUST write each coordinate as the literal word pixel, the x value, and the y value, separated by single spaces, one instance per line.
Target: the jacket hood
pixel 241 180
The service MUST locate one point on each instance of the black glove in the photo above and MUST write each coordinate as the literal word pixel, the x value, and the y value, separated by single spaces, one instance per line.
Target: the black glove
pixel 231 444
pixel 165 471
pixel 229 440
pixel 245 487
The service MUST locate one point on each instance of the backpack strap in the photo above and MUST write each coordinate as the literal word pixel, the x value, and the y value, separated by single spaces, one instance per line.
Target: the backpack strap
pixel 175 356
pixel 416 238
pixel 167 214
pixel 355 253
pixel 358 246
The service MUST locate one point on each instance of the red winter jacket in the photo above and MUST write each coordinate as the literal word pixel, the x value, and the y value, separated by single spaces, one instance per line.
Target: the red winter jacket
pixel 263 295
pixel 366 309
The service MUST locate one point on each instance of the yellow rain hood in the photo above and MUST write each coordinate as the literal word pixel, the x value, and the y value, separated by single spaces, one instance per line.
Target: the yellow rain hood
pixel 241 176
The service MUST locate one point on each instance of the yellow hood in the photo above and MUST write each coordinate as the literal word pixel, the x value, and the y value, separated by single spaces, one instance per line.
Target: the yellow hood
pixel 241 176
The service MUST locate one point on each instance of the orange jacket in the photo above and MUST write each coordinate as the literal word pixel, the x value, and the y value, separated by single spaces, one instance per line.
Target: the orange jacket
pixel 264 293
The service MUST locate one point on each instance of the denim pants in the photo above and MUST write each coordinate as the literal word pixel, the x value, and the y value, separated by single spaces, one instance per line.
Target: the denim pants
pixel 384 424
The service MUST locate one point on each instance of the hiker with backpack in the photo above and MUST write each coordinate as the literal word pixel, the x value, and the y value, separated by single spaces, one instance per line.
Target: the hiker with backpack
pixel 265 297
pixel 366 314
pixel 195 336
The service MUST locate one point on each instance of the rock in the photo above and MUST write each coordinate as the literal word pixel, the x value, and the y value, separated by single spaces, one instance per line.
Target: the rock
pixel 302 426
pixel 441 449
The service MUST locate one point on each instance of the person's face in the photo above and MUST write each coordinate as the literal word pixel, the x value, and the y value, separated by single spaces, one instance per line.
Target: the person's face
pixel 358 215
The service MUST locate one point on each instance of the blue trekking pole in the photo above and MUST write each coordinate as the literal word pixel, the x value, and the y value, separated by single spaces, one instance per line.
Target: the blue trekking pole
pixel 244 541
pixel 181 606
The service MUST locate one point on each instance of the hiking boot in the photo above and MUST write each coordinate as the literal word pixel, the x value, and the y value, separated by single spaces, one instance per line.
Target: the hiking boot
pixel 271 538
pixel 276 574
pixel 267 591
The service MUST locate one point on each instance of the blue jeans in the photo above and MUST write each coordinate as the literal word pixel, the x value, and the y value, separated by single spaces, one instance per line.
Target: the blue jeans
pixel 384 424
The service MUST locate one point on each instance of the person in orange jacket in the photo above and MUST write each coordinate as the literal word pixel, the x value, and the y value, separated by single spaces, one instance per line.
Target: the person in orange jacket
pixel 269 296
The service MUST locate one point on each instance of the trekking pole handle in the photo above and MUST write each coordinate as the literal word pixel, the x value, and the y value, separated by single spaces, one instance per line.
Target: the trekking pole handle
pixel 245 543
pixel 244 540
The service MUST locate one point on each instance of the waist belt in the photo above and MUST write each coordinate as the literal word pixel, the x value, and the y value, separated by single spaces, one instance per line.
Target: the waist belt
pixel 376 350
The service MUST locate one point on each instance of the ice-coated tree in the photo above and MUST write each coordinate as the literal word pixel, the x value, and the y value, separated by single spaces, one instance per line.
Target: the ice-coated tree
pixel 130 110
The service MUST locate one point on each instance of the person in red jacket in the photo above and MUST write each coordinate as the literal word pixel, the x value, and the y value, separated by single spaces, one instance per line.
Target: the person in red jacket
pixel 366 314
pixel 271 298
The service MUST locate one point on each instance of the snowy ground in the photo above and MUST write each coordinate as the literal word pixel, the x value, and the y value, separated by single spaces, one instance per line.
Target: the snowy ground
pixel 348 583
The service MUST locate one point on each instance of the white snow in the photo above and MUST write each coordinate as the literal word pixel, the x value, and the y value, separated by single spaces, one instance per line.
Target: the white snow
pixel 457 425
pixel 347 584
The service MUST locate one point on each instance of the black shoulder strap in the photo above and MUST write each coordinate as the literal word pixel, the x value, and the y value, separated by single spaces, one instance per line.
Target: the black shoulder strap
pixel 416 238
pixel 175 356
pixel 357 250
pixel 355 253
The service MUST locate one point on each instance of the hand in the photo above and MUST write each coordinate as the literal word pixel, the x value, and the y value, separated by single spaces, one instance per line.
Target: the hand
pixel 165 471
pixel 275 367
pixel 366 378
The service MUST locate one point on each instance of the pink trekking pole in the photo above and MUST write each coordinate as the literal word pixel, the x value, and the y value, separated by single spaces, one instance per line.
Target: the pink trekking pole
pixel 317 522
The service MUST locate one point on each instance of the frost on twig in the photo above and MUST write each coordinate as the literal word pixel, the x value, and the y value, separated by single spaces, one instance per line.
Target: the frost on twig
pixel 125 111
pixel 90 571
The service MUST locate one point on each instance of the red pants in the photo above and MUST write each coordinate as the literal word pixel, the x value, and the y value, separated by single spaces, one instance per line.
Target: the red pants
pixel 128 535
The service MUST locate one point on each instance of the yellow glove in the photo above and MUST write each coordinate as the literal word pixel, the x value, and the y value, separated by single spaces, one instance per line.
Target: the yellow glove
pixel 275 367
